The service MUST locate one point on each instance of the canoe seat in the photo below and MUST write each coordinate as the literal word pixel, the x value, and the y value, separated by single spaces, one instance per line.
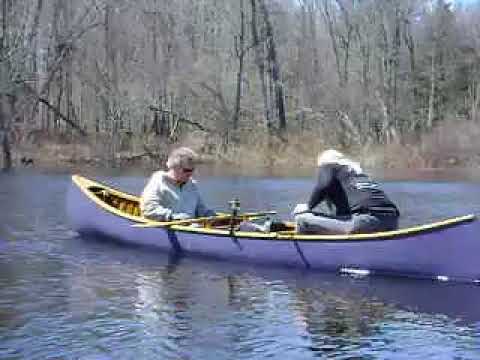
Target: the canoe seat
pixel 129 208
pixel 122 206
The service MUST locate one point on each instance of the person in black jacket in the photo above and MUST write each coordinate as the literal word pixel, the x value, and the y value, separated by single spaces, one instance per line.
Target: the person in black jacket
pixel 359 204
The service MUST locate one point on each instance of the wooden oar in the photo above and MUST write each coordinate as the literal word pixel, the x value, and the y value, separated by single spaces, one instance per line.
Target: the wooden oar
pixel 151 224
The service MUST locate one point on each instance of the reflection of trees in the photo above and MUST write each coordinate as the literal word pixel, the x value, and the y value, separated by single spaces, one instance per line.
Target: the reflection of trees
pixel 189 309
pixel 253 306
pixel 334 322
pixel 8 312
pixel 244 293
pixel 147 296
pixel 163 304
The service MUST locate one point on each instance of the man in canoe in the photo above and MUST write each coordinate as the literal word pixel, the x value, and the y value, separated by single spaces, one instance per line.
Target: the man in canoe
pixel 360 206
pixel 173 194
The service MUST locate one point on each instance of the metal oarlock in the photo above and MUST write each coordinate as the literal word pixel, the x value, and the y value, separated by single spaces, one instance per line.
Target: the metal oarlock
pixel 235 207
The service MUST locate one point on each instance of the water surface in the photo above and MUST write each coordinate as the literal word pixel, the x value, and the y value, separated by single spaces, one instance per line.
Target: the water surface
pixel 65 297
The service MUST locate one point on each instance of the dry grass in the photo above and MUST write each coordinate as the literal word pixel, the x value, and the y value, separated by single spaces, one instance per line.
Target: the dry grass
pixel 255 148
pixel 453 144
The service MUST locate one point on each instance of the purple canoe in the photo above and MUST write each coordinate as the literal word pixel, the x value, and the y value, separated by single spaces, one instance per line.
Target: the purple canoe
pixel 448 249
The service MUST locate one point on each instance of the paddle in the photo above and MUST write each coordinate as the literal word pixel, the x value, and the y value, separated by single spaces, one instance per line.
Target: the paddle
pixel 201 219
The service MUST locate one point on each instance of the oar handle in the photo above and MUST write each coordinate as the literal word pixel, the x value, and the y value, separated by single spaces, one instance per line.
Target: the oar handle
pixel 151 224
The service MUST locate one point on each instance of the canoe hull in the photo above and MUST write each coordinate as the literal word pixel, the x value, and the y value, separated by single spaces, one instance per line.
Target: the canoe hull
pixel 451 252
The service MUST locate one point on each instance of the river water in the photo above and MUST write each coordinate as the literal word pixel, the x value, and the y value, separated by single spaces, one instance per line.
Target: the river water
pixel 66 297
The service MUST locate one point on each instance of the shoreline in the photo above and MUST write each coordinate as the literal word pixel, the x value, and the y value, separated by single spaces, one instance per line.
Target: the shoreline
pixel 454 173
pixel 422 159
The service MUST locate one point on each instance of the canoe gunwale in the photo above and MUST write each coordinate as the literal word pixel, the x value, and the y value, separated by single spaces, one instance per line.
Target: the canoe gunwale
pixel 84 185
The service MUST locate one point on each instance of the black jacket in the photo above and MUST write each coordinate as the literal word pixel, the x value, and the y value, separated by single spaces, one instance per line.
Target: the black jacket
pixel 350 192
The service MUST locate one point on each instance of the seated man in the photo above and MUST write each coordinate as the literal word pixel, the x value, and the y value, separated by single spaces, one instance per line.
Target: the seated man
pixel 360 205
pixel 172 194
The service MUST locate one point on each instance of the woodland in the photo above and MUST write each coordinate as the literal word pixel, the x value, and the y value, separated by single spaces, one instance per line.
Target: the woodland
pixel 269 82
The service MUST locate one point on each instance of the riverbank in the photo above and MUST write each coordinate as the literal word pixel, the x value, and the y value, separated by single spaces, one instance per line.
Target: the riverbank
pixel 445 148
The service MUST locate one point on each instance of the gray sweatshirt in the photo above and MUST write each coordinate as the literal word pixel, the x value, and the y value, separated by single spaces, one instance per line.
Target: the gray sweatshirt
pixel 163 200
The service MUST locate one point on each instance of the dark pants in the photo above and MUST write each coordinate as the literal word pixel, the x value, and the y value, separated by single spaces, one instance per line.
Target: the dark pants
pixel 309 223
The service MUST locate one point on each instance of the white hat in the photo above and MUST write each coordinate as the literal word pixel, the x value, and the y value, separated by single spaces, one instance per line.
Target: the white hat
pixel 332 156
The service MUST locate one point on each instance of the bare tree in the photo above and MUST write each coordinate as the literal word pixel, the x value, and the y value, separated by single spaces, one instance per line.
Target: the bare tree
pixel 274 68
pixel 371 71
pixel 240 51
pixel 260 62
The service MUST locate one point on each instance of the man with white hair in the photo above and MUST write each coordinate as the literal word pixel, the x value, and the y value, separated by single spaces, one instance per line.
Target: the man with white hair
pixel 360 205
pixel 173 194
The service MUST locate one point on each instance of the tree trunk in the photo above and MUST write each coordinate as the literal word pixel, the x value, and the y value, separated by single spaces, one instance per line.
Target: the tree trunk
pixel 68 15
pixel 333 39
pixel 365 54
pixel 56 118
pixel 240 52
pixel 395 64
pixel 346 40
pixel 52 53
pixel 4 24
pixel 32 41
pixel 474 98
pixel 4 121
pixel 313 37
pixel 33 35
pixel 409 41
pixel 7 154
pixel 275 69
pixel 431 98
pixel 5 114
pixel 109 64
pixel 259 59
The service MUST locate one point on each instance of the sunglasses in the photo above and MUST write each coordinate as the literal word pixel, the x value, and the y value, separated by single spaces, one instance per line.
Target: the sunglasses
pixel 187 170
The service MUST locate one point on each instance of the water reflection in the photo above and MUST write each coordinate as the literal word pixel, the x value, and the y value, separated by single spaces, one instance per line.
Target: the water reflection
pixel 335 323
pixel 242 306
pixel 134 302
